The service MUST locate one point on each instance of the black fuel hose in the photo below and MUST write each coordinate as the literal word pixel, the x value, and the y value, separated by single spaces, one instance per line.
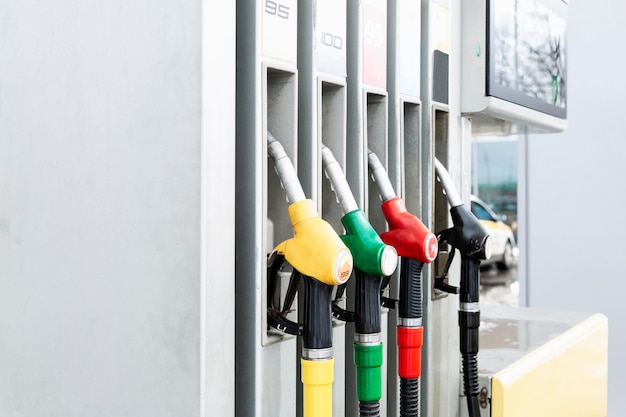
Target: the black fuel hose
pixel 469 322
pixel 367 345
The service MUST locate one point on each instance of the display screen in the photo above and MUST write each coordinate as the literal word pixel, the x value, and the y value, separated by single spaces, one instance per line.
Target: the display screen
pixel 526 53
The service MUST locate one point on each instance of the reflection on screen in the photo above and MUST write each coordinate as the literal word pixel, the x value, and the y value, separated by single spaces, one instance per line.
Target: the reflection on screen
pixel 528 50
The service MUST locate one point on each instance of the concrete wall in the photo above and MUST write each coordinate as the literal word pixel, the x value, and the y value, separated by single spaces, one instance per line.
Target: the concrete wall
pixel 576 189
pixel 105 261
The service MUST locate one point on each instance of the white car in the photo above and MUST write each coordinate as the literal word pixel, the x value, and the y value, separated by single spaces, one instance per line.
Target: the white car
pixel 503 247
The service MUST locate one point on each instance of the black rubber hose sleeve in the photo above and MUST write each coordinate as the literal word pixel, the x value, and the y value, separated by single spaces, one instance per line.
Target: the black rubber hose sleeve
pixel 410 305
pixel 317 324
pixel 367 303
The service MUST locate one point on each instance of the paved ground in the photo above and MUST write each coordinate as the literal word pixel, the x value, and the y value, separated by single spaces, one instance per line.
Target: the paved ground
pixel 499 287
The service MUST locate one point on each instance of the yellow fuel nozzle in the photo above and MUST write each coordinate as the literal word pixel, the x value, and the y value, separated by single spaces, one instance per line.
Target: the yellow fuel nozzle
pixel 316 250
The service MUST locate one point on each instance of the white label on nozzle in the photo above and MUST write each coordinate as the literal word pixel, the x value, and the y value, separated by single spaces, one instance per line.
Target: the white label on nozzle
pixel 343 266
pixel 389 260
pixel 431 246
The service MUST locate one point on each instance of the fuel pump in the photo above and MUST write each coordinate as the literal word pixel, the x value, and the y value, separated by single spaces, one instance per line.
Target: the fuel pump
pixel 469 237
pixel 372 260
pixel 320 260
pixel 416 246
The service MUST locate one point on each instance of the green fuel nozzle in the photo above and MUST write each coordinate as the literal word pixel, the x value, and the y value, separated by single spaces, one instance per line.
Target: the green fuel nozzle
pixel 371 255
pixel 373 259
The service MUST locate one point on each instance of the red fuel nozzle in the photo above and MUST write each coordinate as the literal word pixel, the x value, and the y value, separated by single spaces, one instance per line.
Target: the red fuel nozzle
pixel 407 233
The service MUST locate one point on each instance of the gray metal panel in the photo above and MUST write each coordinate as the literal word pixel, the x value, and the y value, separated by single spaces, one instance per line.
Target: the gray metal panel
pixel 267 87
pixel 218 216
pixel 354 140
pixel 326 107
pixel 403 145
pixel 100 208
pixel 367 127
pixel 441 133
pixel 249 197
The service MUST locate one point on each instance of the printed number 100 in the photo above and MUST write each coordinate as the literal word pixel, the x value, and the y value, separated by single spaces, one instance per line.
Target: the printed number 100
pixel 328 39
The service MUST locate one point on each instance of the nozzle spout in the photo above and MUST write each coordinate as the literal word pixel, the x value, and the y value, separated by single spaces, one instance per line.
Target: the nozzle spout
pixel 380 177
pixel 448 185
pixel 285 170
pixel 338 181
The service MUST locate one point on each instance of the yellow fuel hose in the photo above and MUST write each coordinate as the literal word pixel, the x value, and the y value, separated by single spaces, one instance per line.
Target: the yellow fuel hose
pixel 317 382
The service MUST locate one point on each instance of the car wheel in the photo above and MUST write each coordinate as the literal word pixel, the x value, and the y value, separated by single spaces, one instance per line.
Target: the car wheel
pixel 507 257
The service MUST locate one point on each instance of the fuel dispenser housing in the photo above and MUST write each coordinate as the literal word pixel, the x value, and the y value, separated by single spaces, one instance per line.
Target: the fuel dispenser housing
pixel 144 199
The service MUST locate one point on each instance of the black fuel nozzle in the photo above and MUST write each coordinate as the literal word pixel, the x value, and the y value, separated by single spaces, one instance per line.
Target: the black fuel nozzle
pixel 471 239
pixel 467 235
